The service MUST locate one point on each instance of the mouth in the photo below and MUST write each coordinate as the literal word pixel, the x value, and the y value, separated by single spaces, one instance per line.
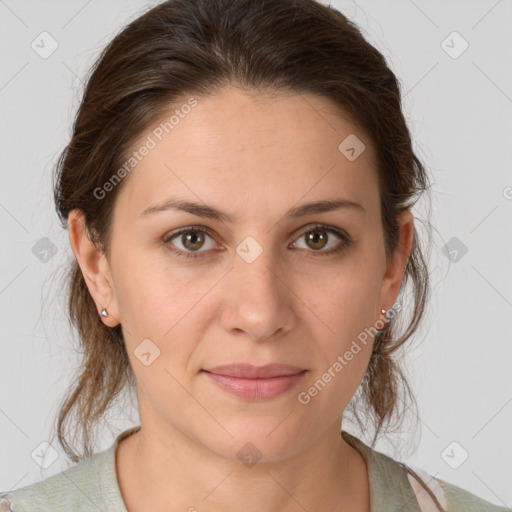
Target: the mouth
pixel 256 383
pixel 249 371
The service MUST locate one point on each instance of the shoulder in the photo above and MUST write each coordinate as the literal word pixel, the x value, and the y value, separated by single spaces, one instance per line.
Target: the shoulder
pixel 89 485
pixel 77 488
pixel 461 500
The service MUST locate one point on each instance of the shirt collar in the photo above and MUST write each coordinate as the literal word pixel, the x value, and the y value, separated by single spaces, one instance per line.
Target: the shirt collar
pixel 390 489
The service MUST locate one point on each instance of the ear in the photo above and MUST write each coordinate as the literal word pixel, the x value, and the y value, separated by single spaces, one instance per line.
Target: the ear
pixel 395 266
pixel 94 266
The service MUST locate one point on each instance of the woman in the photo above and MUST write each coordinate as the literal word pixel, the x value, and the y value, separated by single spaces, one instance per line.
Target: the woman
pixel 238 194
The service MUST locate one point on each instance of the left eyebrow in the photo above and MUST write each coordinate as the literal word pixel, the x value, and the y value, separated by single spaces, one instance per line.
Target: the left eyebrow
pixel 203 210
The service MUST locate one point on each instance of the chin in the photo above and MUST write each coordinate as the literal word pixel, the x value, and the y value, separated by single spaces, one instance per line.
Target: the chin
pixel 259 439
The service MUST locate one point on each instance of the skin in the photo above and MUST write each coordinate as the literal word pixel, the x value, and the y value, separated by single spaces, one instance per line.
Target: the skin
pixel 252 156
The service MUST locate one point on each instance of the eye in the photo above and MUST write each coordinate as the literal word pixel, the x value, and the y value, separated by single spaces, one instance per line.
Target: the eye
pixel 320 236
pixel 189 241
pixel 192 241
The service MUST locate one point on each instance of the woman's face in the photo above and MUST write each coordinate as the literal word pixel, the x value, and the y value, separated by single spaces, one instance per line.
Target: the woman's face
pixel 263 284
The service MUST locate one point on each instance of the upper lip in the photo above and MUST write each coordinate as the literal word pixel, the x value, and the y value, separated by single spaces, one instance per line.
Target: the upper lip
pixel 249 371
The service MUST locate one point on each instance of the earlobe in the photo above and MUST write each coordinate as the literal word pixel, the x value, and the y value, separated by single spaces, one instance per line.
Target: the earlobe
pixel 94 266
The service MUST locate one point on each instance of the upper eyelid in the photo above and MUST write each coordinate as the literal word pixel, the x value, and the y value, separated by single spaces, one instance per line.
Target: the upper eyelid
pixel 299 233
pixel 169 236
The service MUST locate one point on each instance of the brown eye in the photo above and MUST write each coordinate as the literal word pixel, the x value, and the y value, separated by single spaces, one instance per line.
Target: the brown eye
pixel 192 240
pixel 322 240
pixel 316 238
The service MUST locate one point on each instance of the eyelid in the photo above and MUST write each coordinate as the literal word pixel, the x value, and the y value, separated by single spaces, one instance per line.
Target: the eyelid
pixel 346 239
pixel 340 233
pixel 173 234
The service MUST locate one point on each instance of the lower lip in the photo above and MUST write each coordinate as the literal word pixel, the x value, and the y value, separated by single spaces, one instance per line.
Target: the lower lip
pixel 256 389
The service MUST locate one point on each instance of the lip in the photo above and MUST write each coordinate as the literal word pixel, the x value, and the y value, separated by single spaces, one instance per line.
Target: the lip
pixel 256 382
pixel 250 371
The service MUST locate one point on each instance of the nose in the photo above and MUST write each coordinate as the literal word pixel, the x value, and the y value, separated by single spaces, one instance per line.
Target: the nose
pixel 257 299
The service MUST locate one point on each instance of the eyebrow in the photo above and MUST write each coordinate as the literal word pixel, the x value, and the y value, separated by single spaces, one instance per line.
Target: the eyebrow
pixel 209 212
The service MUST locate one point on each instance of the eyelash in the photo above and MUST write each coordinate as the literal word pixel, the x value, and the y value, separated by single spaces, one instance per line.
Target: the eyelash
pixel 194 255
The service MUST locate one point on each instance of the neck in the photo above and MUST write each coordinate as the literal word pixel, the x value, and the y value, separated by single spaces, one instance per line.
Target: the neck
pixel 156 469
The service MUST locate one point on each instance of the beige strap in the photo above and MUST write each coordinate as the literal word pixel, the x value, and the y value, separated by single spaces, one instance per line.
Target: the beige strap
pixel 425 502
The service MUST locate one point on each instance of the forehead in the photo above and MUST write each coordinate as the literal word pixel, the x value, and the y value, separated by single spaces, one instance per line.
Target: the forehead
pixel 252 151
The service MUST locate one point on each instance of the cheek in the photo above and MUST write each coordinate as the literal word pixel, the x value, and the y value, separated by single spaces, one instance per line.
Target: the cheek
pixel 152 293
pixel 343 317
pixel 328 392
pixel 164 304
pixel 346 298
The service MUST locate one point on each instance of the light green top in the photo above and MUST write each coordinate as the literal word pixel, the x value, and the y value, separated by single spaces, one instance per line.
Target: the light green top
pixel 91 485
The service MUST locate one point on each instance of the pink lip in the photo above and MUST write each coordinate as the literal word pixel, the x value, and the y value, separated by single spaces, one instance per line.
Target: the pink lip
pixel 256 383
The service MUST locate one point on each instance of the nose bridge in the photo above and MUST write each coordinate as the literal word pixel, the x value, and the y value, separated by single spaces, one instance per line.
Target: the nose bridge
pixel 257 272
pixel 256 300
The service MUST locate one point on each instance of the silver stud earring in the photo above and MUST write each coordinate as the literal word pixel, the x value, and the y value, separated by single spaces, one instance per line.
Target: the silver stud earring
pixel 104 312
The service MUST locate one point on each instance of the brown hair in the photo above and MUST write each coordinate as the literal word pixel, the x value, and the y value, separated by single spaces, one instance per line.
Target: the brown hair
pixel 196 47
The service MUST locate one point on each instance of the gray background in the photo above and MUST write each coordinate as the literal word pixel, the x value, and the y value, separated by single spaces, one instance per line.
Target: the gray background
pixel 460 113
